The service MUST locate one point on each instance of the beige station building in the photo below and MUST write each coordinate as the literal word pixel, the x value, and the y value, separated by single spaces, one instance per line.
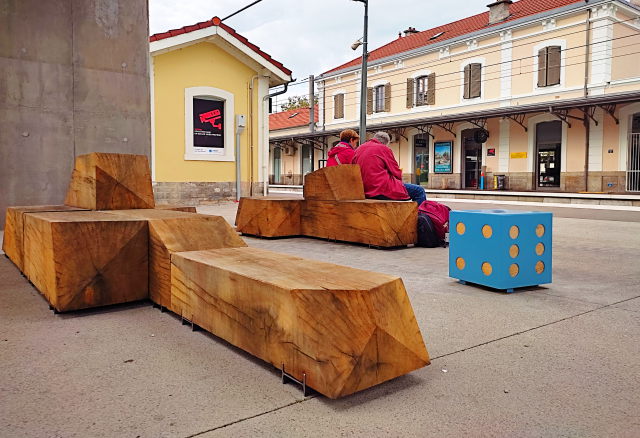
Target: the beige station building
pixel 536 95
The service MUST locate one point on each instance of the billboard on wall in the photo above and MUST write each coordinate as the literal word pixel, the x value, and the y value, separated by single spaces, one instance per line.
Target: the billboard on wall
pixel 208 125
pixel 442 157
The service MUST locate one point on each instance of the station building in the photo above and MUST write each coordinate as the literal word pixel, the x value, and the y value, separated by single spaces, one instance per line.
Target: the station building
pixel 209 113
pixel 536 95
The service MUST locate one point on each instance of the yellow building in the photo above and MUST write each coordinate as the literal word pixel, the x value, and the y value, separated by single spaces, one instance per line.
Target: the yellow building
pixel 546 93
pixel 209 112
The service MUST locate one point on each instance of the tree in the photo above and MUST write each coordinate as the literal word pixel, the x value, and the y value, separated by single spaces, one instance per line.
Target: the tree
pixel 294 102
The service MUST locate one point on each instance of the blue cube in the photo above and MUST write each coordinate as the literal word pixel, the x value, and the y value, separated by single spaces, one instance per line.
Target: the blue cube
pixel 502 249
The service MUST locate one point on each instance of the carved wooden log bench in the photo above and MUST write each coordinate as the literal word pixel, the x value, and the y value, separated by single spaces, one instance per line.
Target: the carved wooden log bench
pixel 339 329
pixel 334 207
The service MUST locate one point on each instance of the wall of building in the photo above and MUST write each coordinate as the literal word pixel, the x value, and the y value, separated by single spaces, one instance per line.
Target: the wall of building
pixel 74 79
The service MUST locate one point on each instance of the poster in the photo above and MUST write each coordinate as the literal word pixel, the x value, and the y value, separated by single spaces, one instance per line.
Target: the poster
pixel 442 157
pixel 208 126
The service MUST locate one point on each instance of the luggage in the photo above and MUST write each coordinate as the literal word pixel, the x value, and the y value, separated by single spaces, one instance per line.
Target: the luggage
pixel 433 224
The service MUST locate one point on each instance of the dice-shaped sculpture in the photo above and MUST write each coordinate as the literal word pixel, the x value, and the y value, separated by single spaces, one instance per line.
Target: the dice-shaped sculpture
pixel 502 249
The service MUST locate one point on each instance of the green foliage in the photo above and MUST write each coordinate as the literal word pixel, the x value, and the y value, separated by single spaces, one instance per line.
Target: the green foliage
pixel 294 102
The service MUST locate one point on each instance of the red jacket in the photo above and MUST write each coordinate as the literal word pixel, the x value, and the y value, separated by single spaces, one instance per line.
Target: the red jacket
pixel 344 153
pixel 381 174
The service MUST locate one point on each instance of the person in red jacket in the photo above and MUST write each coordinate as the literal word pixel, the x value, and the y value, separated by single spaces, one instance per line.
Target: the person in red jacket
pixel 342 153
pixel 381 175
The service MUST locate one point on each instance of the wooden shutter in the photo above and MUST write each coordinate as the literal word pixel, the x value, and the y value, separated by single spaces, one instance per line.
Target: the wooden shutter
pixel 553 65
pixel 338 106
pixel 476 80
pixel 410 82
pixel 387 97
pixel 431 89
pixel 542 67
pixel 467 80
pixel 369 101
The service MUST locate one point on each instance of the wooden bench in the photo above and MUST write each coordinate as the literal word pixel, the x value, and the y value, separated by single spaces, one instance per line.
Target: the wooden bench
pixel 175 231
pixel 84 259
pixel 340 329
pixel 334 207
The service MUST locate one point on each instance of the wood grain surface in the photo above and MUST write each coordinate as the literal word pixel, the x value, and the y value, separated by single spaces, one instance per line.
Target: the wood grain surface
pixel 345 328
pixel 86 259
pixel 269 217
pixel 335 183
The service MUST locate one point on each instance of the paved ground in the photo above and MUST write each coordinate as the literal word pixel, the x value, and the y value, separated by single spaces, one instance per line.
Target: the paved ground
pixel 562 360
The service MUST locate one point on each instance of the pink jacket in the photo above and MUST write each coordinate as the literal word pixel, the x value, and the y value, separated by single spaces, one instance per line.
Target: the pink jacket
pixel 381 174
pixel 343 151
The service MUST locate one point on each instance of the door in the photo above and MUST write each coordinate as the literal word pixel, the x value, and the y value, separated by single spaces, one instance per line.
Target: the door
pixel 472 152
pixel 633 155
pixel 421 157
pixel 277 165
pixel 548 153
pixel 307 159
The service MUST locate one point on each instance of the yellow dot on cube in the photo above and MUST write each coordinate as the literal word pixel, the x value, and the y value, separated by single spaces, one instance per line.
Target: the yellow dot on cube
pixel 513 270
pixel 486 268
pixel 487 231
pixel 460 263
pixel 460 228
pixel 514 231
pixel 540 248
pixel 540 267
pixel 514 251
pixel 540 230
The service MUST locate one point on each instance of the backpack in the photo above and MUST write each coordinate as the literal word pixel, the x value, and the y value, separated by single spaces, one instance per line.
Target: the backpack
pixel 433 224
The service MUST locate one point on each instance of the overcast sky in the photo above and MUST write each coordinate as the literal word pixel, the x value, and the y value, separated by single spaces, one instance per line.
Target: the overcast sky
pixel 313 36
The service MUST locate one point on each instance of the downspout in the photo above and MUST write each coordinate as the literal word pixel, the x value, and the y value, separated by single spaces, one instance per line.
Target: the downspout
pixel 265 99
pixel 250 134
pixel 587 122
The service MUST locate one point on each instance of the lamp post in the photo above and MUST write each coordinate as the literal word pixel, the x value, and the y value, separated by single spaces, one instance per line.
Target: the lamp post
pixel 363 75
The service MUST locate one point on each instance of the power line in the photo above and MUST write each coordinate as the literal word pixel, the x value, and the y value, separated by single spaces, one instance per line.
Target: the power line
pixel 240 10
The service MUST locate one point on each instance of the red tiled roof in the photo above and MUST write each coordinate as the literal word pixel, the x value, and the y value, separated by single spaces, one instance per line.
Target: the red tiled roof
pixel 291 118
pixel 215 21
pixel 519 9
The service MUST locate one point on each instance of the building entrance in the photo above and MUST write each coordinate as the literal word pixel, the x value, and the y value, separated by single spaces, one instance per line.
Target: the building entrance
pixel 307 159
pixel 421 159
pixel 548 153
pixel 472 153
pixel 277 165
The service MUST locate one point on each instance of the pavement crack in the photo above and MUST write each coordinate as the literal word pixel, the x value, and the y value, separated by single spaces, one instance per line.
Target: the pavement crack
pixel 251 417
pixel 535 328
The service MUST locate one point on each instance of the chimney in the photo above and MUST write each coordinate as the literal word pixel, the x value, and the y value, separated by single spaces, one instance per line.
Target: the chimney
pixel 499 11
pixel 410 31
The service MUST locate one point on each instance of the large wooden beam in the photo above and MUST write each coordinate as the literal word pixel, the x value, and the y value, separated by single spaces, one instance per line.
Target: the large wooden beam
pixel 335 183
pixel 372 222
pixel 13 242
pixel 269 217
pixel 344 329
pixel 86 259
pixel 185 208
pixel 102 181
pixel 175 231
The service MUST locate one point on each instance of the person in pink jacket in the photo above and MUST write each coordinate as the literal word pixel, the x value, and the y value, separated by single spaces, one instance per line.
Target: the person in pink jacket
pixel 381 175
pixel 342 153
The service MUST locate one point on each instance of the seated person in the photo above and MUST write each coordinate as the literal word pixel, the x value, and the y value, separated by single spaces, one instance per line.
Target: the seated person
pixel 381 175
pixel 342 153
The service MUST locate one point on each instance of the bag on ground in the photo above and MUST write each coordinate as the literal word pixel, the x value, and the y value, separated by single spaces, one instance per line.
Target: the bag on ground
pixel 433 224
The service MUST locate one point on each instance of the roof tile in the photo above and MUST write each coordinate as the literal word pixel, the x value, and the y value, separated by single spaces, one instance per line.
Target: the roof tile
pixel 291 118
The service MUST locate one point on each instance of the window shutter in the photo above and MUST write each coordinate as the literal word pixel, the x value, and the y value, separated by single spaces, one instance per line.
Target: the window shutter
pixel 369 101
pixel 553 65
pixel 467 80
pixel 410 82
pixel 387 97
pixel 338 106
pixel 431 89
pixel 476 80
pixel 542 67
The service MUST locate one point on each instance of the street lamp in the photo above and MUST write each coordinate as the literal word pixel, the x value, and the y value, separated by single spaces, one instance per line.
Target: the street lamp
pixel 363 75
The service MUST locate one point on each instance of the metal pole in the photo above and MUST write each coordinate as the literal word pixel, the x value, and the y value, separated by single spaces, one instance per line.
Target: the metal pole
pixel 312 122
pixel 363 77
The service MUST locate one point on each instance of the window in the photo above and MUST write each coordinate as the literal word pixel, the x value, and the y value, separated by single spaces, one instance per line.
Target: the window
pixel 379 98
pixel 549 66
pixel 472 80
pixel 421 90
pixel 338 106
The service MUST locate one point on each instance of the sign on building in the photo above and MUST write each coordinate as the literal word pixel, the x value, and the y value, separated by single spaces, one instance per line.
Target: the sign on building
pixel 208 126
